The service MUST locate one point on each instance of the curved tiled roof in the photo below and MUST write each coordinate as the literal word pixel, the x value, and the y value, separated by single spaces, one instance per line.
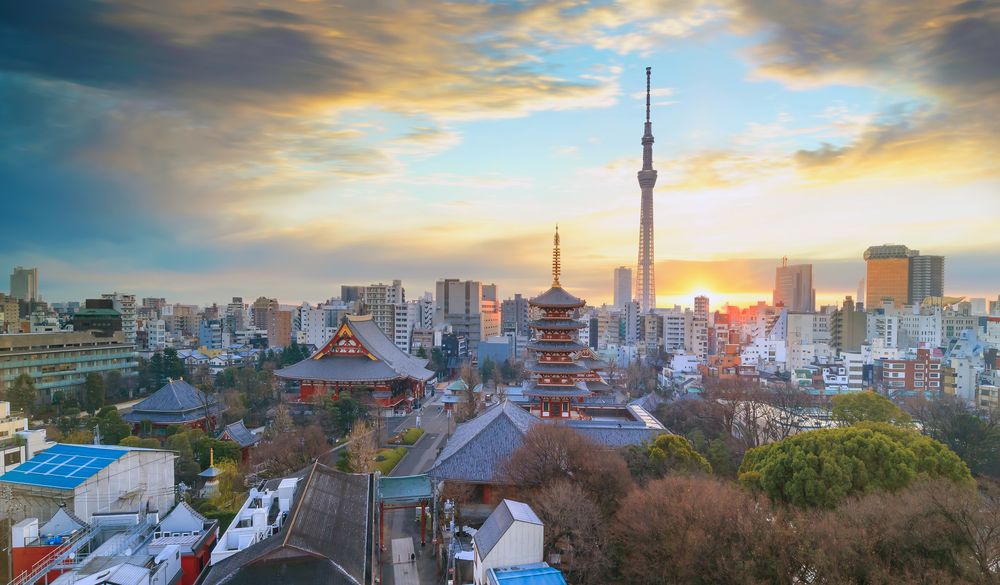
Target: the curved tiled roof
pixel 478 447
pixel 390 362
pixel 542 345
pixel 240 434
pixel 176 401
pixel 557 298
pixel 537 367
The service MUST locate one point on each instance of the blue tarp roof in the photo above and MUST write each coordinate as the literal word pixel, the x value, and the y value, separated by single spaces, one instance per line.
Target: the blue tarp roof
pixel 65 466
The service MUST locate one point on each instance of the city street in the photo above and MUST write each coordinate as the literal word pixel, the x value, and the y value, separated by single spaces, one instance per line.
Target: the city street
pixel 404 524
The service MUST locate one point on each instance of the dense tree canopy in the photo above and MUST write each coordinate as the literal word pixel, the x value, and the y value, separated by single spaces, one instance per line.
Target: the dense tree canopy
pixel 668 453
pixel 820 468
pixel 867 406
pixel 94 392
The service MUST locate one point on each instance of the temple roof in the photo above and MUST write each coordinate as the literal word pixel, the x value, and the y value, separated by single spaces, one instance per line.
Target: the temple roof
pixel 555 367
pixel 375 359
pixel 557 298
pixel 239 434
pixel 176 402
pixel 478 447
pixel 544 345
pixel 579 390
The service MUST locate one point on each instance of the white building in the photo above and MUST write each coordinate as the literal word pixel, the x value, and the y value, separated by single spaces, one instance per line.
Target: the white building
pixel 511 536
pixel 380 302
pixel 17 443
pixel 93 479
pixel 124 304
pixel 255 522
pixel 407 318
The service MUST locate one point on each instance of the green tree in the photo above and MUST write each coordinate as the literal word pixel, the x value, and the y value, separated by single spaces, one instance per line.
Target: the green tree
pixel 439 362
pixel 820 468
pixel 79 437
pixel 22 394
pixel 173 366
pixel 867 406
pixel 667 453
pixel 344 412
pixel 113 426
pixel 186 467
pixel 147 443
pixel 421 352
pixel 487 371
pixel 223 450
pixel 115 386
pixel 974 436
pixel 94 393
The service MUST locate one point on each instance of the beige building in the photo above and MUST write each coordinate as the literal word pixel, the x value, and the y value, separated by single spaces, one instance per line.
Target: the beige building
pixel 17 443
pixel 60 361
pixel 888 274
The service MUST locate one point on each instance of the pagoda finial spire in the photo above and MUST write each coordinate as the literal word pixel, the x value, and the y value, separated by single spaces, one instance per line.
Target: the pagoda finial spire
pixel 556 266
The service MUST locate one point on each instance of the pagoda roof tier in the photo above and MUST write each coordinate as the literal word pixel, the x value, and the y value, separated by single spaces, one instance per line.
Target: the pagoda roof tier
pixel 537 367
pixel 556 324
pixel 358 352
pixel 557 298
pixel 558 346
pixel 578 391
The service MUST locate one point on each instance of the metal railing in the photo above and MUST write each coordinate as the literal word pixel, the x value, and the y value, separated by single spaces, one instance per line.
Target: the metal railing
pixel 56 558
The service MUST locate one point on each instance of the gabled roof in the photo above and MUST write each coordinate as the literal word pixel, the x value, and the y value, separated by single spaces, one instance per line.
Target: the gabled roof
pixel 499 522
pixel 177 401
pixel 239 434
pixel 478 447
pixel 62 523
pixel 380 361
pixel 325 539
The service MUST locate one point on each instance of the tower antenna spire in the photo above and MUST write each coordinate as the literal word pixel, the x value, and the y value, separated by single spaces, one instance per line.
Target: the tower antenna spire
pixel 649 71
pixel 556 266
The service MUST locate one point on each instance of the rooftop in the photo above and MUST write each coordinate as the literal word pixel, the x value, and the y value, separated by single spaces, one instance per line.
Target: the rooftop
pixel 66 466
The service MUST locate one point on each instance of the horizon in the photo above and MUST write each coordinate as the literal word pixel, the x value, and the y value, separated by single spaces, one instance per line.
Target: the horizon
pixel 216 150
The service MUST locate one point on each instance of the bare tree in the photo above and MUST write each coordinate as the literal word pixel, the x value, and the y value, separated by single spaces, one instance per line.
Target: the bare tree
pixel 575 529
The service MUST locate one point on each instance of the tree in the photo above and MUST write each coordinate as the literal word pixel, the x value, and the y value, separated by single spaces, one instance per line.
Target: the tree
pixel 488 371
pixel 113 426
pixel 79 437
pixel 147 443
pixel 288 453
pixel 552 453
pixel 22 394
pixel 849 409
pixel 115 385
pixel 173 365
pixel 822 467
pixel 343 412
pixel 94 393
pixel 421 352
pixel 281 424
pixel 186 468
pixel 695 530
pixel 362 449
pixel 574 527
pixel 974 436
pixel 667 453
pixel 223 450
pixel 232 486
pixel 439 362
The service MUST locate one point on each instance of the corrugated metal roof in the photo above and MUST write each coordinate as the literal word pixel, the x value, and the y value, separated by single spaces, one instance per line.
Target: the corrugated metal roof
pixel 64 466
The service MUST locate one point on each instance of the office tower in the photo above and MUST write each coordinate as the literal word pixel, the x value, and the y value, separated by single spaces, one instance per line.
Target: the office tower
pixel 622 286
pixel 24 283
pixel 380 302
pixel 645 289
pixel 888 274
pixel 514 316
pixel 793 287
pixel 460 303
pixel 926 277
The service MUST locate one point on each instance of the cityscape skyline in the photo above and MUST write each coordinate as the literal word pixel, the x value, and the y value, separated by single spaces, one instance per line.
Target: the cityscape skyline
pixel 305 171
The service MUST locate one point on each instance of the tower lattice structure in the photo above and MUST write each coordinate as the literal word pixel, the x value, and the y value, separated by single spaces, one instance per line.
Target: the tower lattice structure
pixel 645 281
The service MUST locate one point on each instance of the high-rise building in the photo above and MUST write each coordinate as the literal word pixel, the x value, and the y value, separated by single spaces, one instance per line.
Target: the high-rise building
pixel 460 303
pixel 622 286
pixel 514 316
pixel 926 277
pixel 261 311
pixel 701 307
pixel 380 300
pixel 848 327
pixel 124 304
pixel 793 287
pixel 645 289
pixel 24 283
pixel 888 274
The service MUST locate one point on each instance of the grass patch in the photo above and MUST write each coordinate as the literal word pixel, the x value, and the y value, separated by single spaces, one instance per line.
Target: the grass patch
pixel 408 437
pixel 387 459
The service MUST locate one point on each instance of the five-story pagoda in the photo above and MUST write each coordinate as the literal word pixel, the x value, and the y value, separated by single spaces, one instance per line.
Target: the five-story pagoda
pixel 558 381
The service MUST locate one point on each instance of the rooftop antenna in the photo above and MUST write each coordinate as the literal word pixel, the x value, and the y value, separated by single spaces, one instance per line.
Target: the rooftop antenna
pixel 784 261
pixel 649 71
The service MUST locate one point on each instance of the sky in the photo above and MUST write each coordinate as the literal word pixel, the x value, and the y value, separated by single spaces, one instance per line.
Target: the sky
pixel 203 149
